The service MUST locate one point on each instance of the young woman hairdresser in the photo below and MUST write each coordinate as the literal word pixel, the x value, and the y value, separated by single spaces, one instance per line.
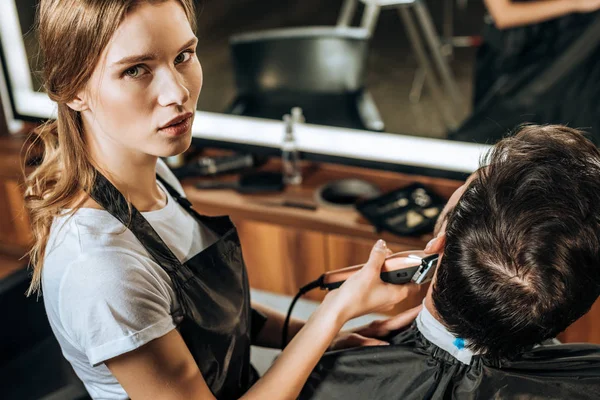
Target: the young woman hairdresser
pixel 148 298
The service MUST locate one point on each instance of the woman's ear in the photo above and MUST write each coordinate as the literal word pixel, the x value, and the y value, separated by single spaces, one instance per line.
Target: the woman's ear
pixel 79 103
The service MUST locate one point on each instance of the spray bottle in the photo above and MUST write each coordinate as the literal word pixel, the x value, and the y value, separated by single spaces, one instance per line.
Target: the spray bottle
pixel 289 151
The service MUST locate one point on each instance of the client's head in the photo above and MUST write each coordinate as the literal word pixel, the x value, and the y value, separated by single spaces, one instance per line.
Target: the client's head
pixel 521 257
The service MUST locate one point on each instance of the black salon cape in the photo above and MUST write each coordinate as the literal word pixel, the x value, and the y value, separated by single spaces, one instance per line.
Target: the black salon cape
pixel 414 368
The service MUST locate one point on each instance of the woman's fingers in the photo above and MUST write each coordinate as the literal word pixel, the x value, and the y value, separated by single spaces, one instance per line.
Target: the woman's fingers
pixel 378 254
pixel 365 292
pixel 400 293
pixel 395 294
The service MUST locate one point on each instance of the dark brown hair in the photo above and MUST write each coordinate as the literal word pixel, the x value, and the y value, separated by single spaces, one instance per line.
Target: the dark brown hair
pixel 522 255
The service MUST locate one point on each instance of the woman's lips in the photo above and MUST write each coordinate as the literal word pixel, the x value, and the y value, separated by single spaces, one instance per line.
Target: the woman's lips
pixel 179 128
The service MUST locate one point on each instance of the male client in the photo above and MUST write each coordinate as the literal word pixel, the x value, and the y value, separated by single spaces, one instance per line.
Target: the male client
pixel 519 248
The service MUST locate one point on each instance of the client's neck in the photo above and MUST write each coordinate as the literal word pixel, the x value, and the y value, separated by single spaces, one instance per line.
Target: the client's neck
pixel 431 307
pixel 433 329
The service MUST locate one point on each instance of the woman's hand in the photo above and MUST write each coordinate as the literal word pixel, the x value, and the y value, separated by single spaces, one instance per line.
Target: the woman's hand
pixel 364 292
pixel 369 334
pixel 585 6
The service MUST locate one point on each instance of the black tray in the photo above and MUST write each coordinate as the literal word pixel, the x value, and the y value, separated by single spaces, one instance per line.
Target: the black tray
pixel 409 211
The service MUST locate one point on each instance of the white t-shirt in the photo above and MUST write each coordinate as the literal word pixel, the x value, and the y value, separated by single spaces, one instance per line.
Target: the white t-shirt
pixel 103 292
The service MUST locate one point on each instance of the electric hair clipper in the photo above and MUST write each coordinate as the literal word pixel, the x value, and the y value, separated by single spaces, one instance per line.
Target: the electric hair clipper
pixel 398 269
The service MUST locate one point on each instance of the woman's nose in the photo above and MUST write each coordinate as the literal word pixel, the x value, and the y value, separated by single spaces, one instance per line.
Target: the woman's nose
pixel 172 89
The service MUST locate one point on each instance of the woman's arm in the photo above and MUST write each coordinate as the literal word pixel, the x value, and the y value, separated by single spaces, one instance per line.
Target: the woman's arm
pixel 165 369
pixel 162 369
pixel 509 14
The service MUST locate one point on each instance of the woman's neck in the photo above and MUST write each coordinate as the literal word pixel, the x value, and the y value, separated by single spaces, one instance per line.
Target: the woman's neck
pixel 133 173
pixel 137 182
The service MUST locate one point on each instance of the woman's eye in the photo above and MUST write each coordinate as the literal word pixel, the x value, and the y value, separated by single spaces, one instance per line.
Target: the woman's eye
pixel 183 57
pixel 133 72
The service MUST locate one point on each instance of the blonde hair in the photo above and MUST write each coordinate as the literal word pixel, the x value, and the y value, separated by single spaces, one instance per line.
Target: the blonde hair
pixel 72 36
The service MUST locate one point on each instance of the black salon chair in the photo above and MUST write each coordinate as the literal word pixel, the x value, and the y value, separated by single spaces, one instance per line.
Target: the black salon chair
pixel 31 362
pixel 320 69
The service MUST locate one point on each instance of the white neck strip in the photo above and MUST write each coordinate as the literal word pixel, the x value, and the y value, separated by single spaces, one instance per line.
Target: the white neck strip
pixel 436 333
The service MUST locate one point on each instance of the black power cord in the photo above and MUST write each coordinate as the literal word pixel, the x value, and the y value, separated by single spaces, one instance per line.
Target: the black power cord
pixel 303 290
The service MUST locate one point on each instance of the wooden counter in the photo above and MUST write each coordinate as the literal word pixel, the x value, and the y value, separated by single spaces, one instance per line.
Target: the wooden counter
pixel 268 208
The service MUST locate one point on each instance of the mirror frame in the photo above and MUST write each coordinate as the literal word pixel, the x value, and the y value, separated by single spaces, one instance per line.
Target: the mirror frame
pixel 411 154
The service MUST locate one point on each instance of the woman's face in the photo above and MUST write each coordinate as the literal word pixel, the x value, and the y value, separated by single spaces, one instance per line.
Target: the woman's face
pixel 147 76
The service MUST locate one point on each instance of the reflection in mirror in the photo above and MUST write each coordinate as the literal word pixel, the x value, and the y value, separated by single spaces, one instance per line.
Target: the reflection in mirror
pixel 387 67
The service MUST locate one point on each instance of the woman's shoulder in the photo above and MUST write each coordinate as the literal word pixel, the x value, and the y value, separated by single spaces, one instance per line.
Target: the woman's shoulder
pixel 102 272
pixel 86 229
pixel 95 242
pixel 109 266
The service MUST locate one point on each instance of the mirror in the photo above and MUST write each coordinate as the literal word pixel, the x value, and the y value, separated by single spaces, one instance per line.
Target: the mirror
pixel 390 71
pixel 392 68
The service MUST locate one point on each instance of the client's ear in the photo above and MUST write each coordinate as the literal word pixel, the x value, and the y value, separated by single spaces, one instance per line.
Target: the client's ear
pixel 436 245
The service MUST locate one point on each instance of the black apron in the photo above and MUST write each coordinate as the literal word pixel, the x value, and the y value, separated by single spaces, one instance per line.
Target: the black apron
pixel 212 288
pixel 413 368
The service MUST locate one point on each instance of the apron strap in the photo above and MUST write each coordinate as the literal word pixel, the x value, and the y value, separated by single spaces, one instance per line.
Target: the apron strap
pixel 183 201
pixel 220 225
pixel 113 201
